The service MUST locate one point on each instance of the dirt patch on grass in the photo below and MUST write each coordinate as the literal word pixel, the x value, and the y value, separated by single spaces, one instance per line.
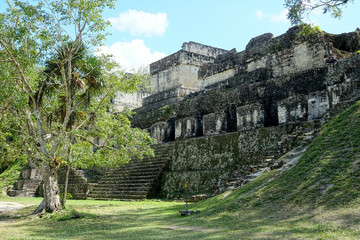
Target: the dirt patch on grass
pixel 6 207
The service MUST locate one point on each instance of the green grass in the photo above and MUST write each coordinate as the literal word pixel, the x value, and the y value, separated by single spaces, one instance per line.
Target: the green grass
pixel 161 220
pixel 317 199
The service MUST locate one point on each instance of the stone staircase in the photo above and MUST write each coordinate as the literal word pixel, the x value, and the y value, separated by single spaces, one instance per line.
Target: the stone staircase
pixel 271 160
pixel 246 173
pixel 139 179
pixel 27 185
pixel 78 184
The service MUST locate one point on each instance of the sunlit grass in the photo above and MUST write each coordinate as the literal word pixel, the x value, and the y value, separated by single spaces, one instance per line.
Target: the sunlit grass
pixel 317 199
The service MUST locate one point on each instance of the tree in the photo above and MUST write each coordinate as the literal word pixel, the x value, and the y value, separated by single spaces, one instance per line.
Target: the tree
pixel 58 93
pixel 300 9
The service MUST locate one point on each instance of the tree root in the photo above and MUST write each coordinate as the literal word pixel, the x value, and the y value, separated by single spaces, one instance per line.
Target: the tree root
pixel 40 208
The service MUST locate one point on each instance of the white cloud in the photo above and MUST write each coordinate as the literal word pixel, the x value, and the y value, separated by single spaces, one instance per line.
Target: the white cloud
pixel 132 55
pixel 141 23
pixel 275 18
pixel 282 17
pixel 260 14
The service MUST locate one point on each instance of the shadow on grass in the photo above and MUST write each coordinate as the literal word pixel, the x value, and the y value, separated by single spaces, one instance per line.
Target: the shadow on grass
pixel 153 223
pixel 164 222
pixel 16 214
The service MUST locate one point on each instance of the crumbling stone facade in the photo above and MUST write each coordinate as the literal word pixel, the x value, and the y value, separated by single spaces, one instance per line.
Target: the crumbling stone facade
pixel 226 114
pixel 275 81
pixel 277 84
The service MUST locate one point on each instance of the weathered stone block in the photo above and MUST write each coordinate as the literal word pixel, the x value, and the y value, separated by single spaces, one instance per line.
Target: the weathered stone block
pixel 300 57
pixel 318 105
pixel 181 68
pixel 259 40
pixel 218 77
pixel 182 75
pixel 215 123
pixel 198 181
pixel 203 49
pixel 185 128
pixel 292 110
pixel 158 131
pixel 249 116
pixel 131 101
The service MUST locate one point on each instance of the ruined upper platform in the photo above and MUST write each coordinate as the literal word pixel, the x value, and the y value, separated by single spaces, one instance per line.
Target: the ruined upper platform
pixel 181 68
pixel 274 81
pixel 191 53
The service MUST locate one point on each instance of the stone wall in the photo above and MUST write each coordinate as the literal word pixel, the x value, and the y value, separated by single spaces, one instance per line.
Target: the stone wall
pixel 235 106
pixel 178 73
pixel 202 49
pixel 253 107
pixel 27 184
pixel 285 54
pixel 207 163
pixel 276 81
pixel 131 101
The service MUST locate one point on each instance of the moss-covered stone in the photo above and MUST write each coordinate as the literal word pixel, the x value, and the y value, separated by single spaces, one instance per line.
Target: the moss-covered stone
pixel 146 119
pixel 207 163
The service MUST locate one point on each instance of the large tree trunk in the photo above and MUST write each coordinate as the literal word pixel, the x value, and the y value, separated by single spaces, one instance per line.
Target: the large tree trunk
pixel 51 189
pixel 63 200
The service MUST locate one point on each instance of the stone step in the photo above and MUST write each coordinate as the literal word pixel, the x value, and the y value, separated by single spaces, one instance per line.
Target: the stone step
pixel 146 162
pixel 137 169
pixel 118 181
pixel 134 171
pixel 28 185
pixel 117 192
pixel 141 166
pixel 132 181
pixel 232 179
pixel 160 147
pixel 131 173
pixel 126 180
pixel 233 183
pixel 118 197
pixel 122 184
pixel 129 176
pixel 122 188
pixel 21 193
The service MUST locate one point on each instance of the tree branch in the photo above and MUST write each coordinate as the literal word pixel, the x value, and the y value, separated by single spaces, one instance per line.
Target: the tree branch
pixel 23 77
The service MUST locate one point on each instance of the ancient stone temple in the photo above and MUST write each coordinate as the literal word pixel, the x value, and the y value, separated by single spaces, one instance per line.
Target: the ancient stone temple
pixel 274 81
pixel 222 117
pixel 227 115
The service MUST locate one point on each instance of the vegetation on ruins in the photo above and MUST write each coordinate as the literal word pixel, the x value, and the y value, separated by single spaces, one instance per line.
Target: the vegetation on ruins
pixel 299 10
pixel 55 95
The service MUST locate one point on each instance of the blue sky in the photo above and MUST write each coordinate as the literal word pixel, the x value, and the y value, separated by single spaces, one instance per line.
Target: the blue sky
pixel 225 24
pixel 146 30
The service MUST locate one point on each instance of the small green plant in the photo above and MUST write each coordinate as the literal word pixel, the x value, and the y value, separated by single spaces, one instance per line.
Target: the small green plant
pixel 307 29
pixel 358 52
pixel 68 195
pixel 278 47
pixel 66 214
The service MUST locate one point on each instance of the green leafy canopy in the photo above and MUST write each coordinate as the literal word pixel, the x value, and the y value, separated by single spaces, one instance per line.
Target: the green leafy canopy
pixel 55 93
pixel 299 11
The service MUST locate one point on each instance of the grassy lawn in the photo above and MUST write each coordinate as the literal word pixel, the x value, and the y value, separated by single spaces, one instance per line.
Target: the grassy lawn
pixel 319 198
pixel 160 220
